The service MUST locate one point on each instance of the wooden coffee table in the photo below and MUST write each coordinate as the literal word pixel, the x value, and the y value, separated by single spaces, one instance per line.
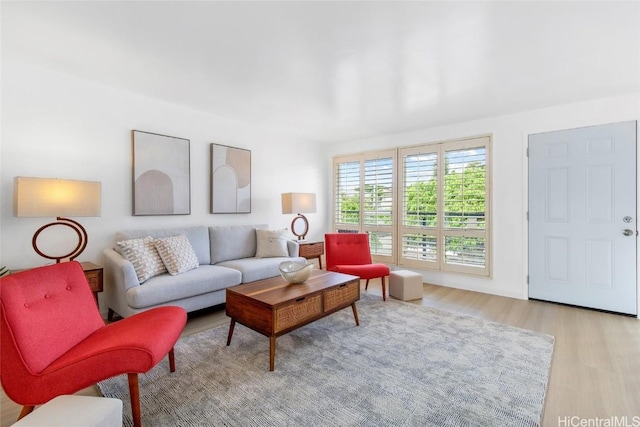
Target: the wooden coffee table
pixel 273 307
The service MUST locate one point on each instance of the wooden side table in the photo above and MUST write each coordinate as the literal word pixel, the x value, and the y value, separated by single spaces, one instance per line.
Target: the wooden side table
pixel 94 274
pixel 311 250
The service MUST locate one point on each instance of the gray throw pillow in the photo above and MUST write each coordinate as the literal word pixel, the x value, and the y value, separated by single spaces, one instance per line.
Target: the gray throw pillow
pixel 271 243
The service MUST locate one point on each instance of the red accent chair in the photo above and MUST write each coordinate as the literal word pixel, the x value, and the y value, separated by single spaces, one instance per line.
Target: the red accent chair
pixel 53 340
pixel 349 253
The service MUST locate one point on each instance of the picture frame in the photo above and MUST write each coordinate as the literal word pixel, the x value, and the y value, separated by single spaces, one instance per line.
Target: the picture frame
pixel 161 174
pixel 230 179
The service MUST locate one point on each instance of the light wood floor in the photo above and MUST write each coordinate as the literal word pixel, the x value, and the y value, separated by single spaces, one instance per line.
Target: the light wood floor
pixel 596 363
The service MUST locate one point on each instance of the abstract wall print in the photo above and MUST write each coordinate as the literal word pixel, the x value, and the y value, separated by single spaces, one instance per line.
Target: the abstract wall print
pixel 161 174
pixel 230 179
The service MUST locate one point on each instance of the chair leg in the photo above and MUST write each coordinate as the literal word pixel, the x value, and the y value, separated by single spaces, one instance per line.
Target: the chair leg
pixel 134 394
pixel 366 285
pixel 26 410
pixel 110 314
pixel 384 291
pixel 172 360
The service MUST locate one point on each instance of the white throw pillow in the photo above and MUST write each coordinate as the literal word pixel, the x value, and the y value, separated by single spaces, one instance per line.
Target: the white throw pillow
pixel 177 254
pixel 271 243
pixel 144 256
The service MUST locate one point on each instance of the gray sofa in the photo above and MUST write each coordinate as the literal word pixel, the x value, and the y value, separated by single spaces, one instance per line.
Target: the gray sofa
pixel 226 256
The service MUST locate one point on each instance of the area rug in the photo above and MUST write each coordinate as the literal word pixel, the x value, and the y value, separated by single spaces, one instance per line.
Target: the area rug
pixel 405 365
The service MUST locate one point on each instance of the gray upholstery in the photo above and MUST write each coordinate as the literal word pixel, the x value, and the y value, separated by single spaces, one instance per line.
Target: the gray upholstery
pixel 231 248
pixel 165 288
pixel 233 241
pixel 253 269
pixel 198 237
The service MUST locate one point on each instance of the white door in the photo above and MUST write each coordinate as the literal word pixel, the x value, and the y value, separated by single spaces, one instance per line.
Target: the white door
pixel 582 217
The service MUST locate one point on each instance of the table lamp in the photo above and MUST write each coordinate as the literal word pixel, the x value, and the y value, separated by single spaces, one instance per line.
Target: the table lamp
pixel 43 197
pixel 299 203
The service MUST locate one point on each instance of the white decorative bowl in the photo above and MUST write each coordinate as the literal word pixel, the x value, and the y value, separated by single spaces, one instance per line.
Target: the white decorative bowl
pixel 295 272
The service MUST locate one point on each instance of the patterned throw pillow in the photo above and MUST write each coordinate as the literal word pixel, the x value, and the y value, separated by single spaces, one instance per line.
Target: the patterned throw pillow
pixel 144 256
pixel 177 254
pixel 271 243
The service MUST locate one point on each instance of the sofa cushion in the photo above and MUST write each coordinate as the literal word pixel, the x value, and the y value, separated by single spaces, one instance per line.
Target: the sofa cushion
pixel 165 288
pixel 271 243
pixel 253 269
pixel 233 241
pixel 144 256
pixel 198 237
pixel 177 254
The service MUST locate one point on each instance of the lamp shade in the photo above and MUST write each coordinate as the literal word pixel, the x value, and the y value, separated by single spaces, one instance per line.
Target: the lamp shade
pixel 298 203
pixel 44 197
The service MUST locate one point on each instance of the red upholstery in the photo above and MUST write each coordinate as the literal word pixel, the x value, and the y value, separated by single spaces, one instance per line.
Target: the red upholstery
pixel 54 342
pixel 349 253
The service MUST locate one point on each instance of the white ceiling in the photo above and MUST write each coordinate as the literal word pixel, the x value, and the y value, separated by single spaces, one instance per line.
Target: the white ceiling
pixel 332 71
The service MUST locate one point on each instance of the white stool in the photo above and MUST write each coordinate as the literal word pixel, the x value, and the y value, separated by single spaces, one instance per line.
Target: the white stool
pixel 405 285
pixel 75 411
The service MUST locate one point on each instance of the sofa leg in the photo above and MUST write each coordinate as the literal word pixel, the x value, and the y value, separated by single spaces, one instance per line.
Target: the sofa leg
pixel 172 360
pixel 26 410
pixel 366 285
pixel 134 394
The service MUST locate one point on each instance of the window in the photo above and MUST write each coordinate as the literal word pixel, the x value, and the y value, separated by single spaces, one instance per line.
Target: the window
pixel 444 212
pixel 437 217
pixel 364 189
pixel 347 195
pixel 419 213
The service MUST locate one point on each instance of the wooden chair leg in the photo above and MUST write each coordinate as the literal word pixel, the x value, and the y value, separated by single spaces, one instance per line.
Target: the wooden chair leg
pixel 134 394
pixel 384 292
pixel 172 360
pixel 26 410
pixel 366 285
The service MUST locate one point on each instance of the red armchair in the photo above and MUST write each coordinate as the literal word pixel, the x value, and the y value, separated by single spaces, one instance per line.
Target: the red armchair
pixel 349 253
pixel 53 340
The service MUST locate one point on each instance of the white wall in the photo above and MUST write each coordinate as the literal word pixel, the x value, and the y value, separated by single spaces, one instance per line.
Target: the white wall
pixel 56 125
pixel 509 226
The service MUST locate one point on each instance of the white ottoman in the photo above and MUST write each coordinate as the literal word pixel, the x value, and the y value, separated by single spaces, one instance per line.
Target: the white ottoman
pixel 405 285
pixel 76 411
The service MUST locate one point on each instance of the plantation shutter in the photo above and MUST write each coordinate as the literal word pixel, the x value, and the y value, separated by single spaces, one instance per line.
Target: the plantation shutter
pixel 364 193
pixel 419 233
pixel 346 194
pixel 444 213
pixel 436 218
pixel 465 192
pixel 378 205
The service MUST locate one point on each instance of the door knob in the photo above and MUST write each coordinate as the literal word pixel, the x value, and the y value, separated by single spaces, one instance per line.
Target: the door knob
pixel 627 232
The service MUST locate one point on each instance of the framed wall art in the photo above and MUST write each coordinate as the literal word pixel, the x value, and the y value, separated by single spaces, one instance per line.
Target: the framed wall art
pixel 230 179
pixel 161 174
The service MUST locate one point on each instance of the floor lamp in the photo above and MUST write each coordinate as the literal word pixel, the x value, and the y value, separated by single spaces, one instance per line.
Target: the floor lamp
pixel 60 198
